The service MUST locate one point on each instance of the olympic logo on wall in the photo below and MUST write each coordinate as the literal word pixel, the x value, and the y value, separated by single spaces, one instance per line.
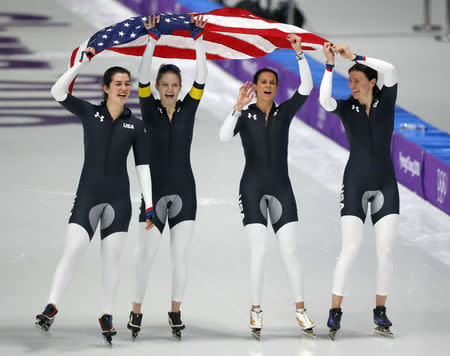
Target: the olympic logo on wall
pixel 442 184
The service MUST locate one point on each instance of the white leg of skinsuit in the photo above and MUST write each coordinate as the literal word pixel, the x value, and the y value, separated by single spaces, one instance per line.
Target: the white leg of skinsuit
pixel 180 238
pixel 111 249
pixel 352 229
pixel 77 242
pixel 257 237
pixel 287 237
pixel 385 233
pixel 149 242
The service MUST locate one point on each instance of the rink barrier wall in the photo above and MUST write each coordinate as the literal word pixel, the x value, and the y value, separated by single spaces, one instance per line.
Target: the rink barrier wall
pixel 420 152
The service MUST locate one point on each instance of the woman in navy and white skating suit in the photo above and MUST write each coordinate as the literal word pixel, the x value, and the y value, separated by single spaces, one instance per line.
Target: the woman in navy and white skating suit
pixel 265 188
pixel 103 194
pixel 170 124
pixel 368 119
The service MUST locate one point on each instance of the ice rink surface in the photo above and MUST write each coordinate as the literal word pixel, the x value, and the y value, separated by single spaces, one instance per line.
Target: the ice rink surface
pixel 41 155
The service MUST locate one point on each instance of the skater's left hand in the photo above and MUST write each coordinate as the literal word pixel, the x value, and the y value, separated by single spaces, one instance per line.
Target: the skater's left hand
pixel 197 26
pixel 149 218
pixel 296 43
pixel 149 224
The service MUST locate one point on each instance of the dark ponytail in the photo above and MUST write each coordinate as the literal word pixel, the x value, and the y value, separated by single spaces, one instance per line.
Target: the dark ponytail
pixel 369 73
pixel 258 73
pixel 109 74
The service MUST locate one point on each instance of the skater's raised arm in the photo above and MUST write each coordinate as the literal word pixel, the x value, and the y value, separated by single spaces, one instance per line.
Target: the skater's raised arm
pixel 146 61
pixel 386 70
pixel 306 81
pixel 325 99
pixel 246 95
pixel 197 34
pixel 61 88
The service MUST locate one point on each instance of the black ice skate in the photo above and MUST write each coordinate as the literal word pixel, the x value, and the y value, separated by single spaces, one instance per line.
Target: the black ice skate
pixel 176 324
pixel 381 320
pixel 334 322
pixel 108 330
pixel 45 319
pixel 134 324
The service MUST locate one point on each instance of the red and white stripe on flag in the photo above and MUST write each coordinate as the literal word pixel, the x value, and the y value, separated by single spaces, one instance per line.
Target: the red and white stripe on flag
pixel 230 34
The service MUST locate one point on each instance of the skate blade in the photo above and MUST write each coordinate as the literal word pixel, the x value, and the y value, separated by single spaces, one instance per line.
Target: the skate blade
pixel 176 334
pixel 108 341
pixel 332 334
pixel 256 333
pixel 44 329
pixel 386 332
pixel 309 332
pixel 134 335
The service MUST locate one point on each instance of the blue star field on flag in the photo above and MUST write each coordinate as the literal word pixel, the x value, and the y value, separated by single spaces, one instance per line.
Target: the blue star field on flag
pixel 133 28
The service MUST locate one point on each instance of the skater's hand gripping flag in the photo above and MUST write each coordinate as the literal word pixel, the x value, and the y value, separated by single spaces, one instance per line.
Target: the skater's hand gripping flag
pixel 229 34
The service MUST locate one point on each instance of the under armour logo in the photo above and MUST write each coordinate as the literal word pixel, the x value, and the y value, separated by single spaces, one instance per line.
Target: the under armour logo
pixel 341 198
pixel 354 107
pixel 375 103
pixel 275 113
pixel 241 207
pixel 254 116
pixel 97 114
pixel 442 183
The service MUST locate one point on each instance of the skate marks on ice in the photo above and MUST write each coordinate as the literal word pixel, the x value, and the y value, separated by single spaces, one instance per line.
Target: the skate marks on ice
pixel 24 339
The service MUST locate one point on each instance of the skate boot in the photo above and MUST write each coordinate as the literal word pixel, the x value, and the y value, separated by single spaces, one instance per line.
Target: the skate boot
pixel 256 322
pixel 46 318
pixel 381 320
pixel 134 324
pixel 334 322
pixel 305 322
pixel 108 330
pixel 176 324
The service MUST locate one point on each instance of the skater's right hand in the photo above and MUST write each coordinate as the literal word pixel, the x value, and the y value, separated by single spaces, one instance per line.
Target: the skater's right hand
pixel 246 95
pixel 87 54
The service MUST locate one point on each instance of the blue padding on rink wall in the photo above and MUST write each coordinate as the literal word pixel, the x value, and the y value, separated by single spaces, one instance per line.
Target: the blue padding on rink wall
pixel 200 5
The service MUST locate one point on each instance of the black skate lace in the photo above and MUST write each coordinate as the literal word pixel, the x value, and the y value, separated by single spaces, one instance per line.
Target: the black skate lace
pixel 176 318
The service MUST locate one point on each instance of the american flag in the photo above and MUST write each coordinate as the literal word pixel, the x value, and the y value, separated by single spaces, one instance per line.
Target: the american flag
pixel 230 33
pixel 128 36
